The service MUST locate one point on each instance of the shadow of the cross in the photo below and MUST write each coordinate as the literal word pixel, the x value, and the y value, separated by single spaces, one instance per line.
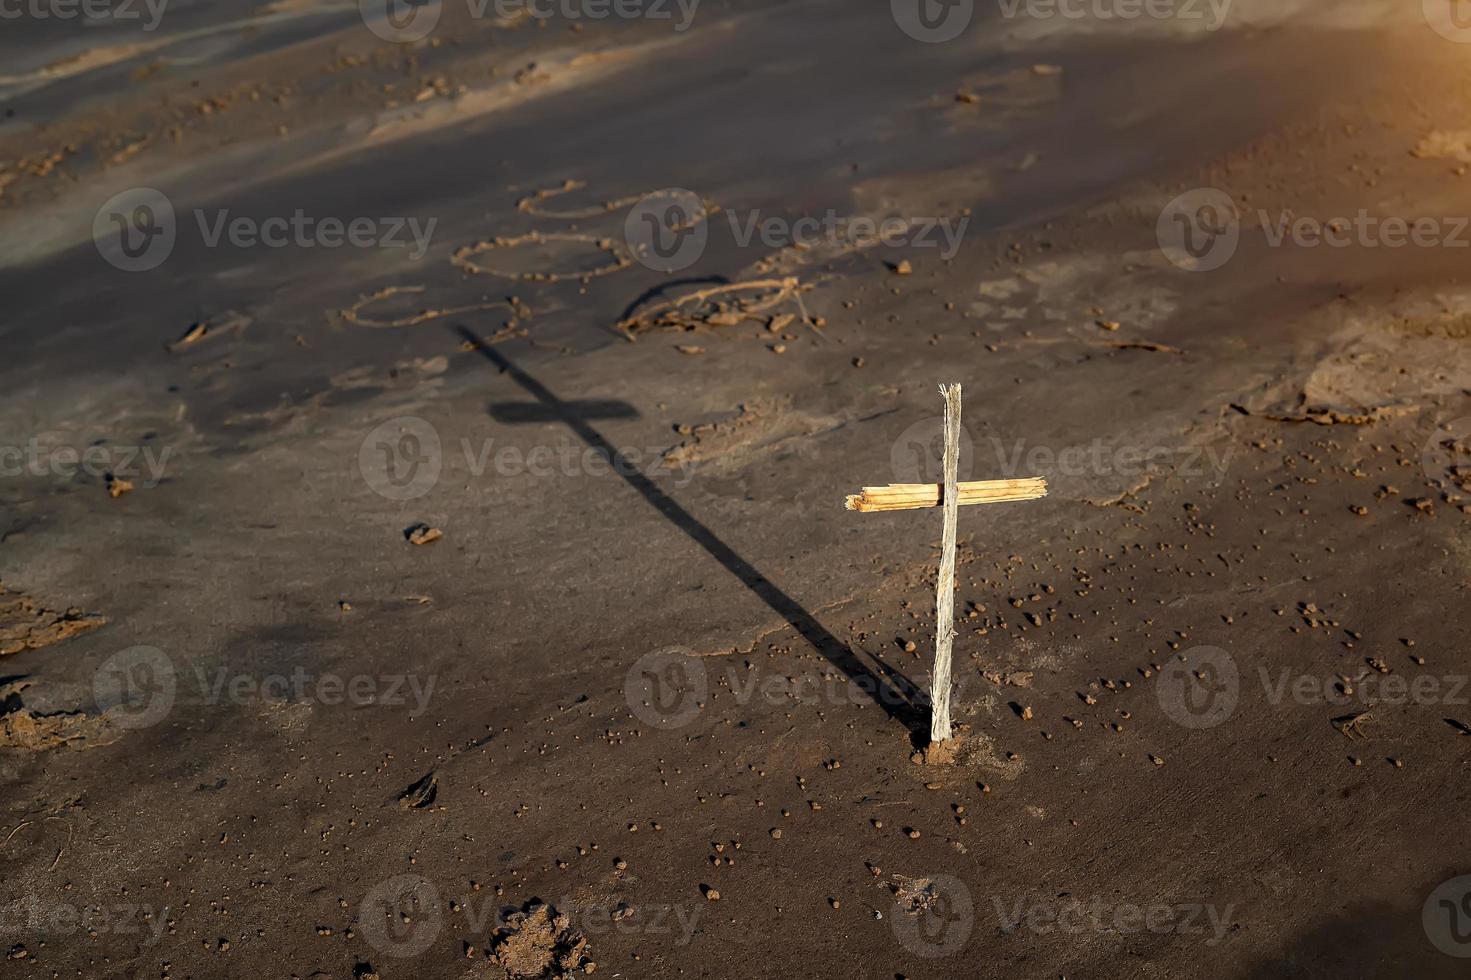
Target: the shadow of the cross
pixel 519 413
pixel 891 690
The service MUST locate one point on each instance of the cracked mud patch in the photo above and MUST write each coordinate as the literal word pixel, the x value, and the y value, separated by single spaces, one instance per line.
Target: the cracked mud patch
pixel 26 624
pixel 33 731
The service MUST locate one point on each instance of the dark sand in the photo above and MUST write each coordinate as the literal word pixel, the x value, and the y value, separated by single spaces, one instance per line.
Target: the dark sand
pixel 338 753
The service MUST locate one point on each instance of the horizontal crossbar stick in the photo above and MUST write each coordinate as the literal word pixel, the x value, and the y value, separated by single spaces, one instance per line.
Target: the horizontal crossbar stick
pixel 918 496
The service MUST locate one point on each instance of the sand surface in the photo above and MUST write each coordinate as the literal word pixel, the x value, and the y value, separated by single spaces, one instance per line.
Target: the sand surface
pixel 334 645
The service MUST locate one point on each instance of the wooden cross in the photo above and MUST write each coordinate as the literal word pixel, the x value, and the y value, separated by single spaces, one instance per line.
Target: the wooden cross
pixel 951 495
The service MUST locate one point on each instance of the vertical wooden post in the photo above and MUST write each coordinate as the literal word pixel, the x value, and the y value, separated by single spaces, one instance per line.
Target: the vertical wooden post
pixel 945 588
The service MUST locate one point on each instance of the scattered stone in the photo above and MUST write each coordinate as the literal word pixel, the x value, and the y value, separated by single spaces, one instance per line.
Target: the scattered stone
pixel 422 534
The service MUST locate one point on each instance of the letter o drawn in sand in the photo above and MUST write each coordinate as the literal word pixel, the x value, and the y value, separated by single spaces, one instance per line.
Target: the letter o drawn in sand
pixel 464 254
